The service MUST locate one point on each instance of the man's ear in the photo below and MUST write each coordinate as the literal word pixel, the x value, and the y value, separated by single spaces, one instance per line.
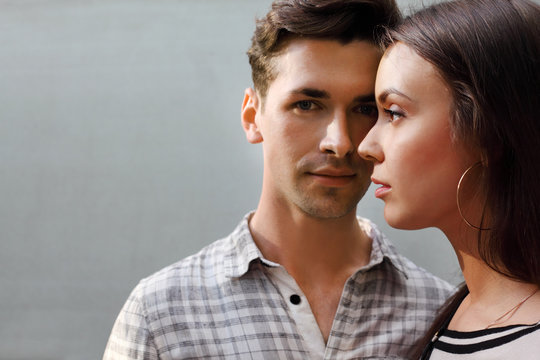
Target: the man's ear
pixel 250 107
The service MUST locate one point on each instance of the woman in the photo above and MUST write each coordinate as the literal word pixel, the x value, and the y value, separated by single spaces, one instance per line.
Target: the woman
pixel 457 146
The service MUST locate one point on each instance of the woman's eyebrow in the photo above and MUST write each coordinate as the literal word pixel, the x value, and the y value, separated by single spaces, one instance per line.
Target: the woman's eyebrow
pixel 383 95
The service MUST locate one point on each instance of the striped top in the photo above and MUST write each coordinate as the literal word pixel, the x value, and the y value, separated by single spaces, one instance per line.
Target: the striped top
pixel 510 342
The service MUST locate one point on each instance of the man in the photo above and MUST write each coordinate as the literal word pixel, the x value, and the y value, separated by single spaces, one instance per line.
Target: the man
pixel 301 277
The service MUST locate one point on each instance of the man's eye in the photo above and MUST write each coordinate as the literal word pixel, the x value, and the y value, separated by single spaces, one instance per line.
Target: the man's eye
pixel 369 110
pixel 304 105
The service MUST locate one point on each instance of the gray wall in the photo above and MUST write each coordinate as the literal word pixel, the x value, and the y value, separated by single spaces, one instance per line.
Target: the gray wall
pixel 121 152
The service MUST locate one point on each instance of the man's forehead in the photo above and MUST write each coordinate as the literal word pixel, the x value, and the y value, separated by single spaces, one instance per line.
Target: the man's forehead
pixel 294 44
pixel 307 52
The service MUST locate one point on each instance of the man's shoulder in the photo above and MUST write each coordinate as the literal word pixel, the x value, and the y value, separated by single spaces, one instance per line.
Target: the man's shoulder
pixel 198 268
pixel 192 280
pixel 202 274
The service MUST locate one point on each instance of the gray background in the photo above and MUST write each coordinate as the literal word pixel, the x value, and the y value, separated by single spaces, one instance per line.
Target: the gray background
pixel 121 151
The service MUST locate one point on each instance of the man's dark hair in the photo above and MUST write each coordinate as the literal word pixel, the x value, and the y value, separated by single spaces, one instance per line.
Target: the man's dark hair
pixel 342 20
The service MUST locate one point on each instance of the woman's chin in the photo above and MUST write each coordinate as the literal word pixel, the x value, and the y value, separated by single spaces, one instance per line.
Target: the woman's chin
pixel 402 222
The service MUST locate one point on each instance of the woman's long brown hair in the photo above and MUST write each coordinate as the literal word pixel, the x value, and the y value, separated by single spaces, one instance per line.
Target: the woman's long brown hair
pixel 488 52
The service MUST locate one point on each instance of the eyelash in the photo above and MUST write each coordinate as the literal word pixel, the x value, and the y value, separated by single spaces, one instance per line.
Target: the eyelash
pixel 393 114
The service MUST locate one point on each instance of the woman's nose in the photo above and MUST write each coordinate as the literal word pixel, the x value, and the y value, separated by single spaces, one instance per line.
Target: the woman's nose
pixel 370 148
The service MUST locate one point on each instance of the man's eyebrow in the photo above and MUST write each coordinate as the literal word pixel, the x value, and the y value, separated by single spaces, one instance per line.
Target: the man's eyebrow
pixel 383 95
pixel 365 98
pixel 314 93
pixel 321 94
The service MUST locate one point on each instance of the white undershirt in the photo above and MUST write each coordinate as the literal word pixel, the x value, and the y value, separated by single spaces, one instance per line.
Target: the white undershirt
pixel 301 313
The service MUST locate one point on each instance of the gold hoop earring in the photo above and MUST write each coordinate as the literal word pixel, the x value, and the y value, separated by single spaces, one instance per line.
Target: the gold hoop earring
pixel 457 197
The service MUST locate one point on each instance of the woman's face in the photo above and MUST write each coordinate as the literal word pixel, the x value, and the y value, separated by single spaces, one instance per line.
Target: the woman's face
pixel 416 164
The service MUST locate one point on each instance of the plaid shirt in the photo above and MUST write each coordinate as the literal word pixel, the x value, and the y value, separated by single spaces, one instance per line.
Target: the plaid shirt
pixel 224 303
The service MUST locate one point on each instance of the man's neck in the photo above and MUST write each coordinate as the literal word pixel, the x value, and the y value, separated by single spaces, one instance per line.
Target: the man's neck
pixel 320 254
pixel 309 246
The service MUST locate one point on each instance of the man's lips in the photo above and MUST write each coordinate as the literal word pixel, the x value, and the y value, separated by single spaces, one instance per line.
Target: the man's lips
pixel 333 177
pixel 333 172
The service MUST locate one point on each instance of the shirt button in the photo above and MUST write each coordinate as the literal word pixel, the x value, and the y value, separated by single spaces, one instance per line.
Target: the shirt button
pixel 295 299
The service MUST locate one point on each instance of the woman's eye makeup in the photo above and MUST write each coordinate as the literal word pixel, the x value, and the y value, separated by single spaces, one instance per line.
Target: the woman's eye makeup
pixel 394 115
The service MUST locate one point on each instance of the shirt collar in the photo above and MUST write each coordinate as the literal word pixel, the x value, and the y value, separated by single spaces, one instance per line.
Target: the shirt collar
pixel 241 250
pixel 381 249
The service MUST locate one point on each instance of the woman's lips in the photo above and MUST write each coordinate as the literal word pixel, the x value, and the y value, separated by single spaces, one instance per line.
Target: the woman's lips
pixel 382 190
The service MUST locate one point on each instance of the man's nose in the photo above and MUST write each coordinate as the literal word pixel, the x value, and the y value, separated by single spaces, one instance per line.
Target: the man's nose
pixel 337 140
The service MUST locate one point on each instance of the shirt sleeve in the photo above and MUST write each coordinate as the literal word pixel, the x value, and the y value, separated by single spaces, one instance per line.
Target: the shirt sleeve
pixel 131 337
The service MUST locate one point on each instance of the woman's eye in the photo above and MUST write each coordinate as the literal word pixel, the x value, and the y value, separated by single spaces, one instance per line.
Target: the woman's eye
pixel 393 115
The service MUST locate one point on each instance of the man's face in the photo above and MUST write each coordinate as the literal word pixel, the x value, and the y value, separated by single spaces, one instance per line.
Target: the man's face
pixel 315 114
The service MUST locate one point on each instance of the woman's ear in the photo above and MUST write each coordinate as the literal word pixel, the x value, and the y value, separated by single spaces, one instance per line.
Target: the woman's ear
pixel 250 107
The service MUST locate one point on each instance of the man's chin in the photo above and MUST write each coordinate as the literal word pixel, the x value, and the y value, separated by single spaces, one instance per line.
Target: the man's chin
pixel 328 211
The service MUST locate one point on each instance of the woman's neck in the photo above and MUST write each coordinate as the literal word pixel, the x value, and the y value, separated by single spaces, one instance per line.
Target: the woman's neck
pixel 492 295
